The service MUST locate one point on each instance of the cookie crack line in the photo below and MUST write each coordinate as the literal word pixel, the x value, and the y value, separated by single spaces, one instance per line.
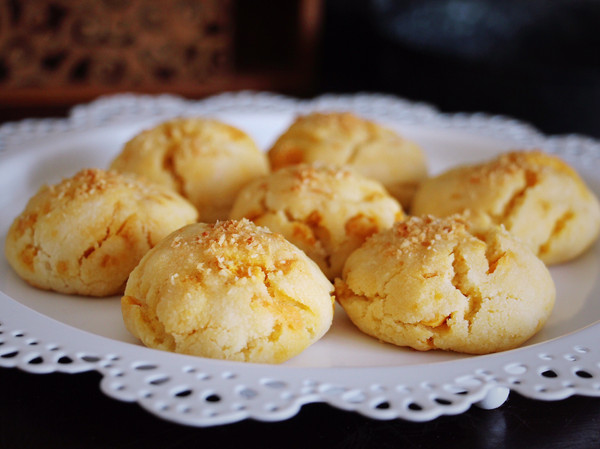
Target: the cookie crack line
pixel 96 246
pixel 321 233
pixel 559 225
pixel 511 206
pixel 107 235
pixel 279 296
pixel 170 167
pixel 312 226
pixel 473 297
pixel 148 234
pixel 357 148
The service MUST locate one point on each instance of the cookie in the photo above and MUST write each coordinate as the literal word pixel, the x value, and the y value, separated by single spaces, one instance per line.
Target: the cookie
pixel 536 196
pixel 342 138
pixel 326 211
pixel 204 160
pixel 432 283
pixel 229 290
pixel 85 234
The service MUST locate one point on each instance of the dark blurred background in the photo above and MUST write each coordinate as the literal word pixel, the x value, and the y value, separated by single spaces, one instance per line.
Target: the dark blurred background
pixel 535 60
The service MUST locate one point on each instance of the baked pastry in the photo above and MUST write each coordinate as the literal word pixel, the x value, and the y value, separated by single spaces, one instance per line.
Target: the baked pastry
pixel 85 234
pixel 230 290
pixel 204 160
pixel 326 211
pixel 342 138
pixel 432 283
pixel 536 196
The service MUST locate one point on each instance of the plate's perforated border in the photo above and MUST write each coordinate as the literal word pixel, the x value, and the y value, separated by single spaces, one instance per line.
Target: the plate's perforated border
pixel 202 392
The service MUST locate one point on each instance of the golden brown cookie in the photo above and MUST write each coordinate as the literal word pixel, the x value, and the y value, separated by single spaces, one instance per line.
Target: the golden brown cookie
pixel 431 283
pixel 85 234
pixel 536 196
pixel 345 139
pixel 324 210
pixel 204 160
pixel 230 290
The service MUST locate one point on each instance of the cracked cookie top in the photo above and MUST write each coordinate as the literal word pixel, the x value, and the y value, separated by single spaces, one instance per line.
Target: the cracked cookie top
pixel 85 234
pixel 342 138
pixel 433 283
pixel 326 211
pixel 536 196
pixel 230 290
pixel 204 160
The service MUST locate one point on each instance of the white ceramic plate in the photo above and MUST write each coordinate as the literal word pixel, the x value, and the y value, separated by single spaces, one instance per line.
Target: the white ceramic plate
pixel 44 332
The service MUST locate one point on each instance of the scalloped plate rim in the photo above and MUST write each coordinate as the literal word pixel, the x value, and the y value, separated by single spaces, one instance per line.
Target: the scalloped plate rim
pixel 91 115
